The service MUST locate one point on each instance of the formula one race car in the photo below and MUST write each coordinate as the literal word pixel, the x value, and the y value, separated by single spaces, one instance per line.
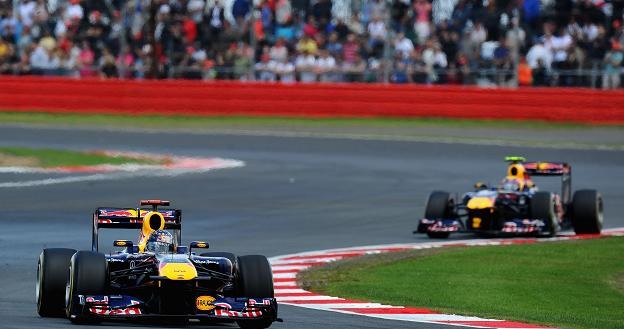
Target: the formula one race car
pixel 515 207
pixel 157 278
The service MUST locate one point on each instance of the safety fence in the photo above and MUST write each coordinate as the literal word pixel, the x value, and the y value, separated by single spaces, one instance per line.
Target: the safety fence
pixel 223 98
pixel 412 74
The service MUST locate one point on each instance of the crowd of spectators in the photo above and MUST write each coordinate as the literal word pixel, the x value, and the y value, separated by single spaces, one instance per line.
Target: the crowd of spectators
pixel 533 42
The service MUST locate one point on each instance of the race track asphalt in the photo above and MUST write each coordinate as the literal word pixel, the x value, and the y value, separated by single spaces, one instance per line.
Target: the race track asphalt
pixel 294 194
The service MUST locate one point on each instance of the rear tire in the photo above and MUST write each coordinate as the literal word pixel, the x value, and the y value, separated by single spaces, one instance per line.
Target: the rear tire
pixel 587 212
pixel 52 276
pixel 255 280
pixel 87 276
pixel 543 207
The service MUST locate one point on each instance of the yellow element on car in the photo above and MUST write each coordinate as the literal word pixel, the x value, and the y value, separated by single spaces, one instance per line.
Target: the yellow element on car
pixel 204 303
pixel 178 271
pixel 476 222
pixel 516 171
pixel 480 203
pixel 152 221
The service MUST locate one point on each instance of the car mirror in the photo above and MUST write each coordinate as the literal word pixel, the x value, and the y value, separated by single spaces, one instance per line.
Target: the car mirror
pixel 198 244
pixel 123 243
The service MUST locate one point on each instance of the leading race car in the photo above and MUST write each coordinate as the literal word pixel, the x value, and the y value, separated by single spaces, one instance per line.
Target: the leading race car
pixel 155 278
pixel 516 207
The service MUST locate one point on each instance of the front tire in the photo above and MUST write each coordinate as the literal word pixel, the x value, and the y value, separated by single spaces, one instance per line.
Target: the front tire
pixel 543 207
pixel 587 212
pixel 87 276
pixel 52 276
pixel 439 205
pixel 255 280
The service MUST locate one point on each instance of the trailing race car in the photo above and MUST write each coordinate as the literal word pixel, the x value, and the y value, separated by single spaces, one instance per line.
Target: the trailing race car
pixel 156 278
pixel 516 207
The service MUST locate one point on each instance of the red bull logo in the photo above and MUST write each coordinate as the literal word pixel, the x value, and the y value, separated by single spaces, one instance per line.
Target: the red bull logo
pixel 118 213
pixel 133 213
pixel 166 213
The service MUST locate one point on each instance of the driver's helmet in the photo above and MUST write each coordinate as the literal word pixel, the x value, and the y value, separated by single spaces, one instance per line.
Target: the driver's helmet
pixel 517 178
pixel 512 184
pixel 159 241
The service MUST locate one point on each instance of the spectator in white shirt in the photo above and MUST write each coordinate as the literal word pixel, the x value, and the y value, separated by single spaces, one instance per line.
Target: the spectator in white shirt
pixel 476 36
pixel 434 58
pixel 403 46
pixel 304 64
pixel 285 70
pixel 539 55
pixel 279 52
pixel 265 69
pixel 326 66
pixel 195 9
pixel 44 60
pixel 559 45
pixel 376 32
pixel 442 10
pixel 74 11
pixel 26 12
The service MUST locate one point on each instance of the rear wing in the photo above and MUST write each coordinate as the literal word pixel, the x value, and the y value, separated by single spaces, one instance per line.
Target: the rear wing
pixel 553 169
pixel 131 218
pixel 547 168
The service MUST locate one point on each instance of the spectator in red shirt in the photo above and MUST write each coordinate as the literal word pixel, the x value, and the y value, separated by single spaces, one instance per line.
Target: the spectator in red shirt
pixel 351 49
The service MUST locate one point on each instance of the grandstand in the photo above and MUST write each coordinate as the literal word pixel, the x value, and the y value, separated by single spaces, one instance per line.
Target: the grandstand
pixel 471 42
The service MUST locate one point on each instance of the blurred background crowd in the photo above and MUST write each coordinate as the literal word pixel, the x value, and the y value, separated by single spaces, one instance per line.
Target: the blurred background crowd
pixel 478 42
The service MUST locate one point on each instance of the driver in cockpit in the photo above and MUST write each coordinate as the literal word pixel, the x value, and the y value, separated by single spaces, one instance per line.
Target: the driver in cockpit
pixel 159 241
pixel 517 179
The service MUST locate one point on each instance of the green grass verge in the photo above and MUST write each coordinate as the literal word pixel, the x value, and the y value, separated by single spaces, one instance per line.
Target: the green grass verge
pixel 574 284
pixel 56 158
pixel 194 121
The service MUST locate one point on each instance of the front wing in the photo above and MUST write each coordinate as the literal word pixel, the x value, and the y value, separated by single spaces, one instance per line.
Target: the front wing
pixel 513 226
pixel 112 307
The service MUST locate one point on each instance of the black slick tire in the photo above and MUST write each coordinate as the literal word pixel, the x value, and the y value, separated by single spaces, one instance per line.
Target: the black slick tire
pixel 52 276
pixel 255 280
pixel 543 207
pixel 587 212
pixel 439 206
pixel 87 276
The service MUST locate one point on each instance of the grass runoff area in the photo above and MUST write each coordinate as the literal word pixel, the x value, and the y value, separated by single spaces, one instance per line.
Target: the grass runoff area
pixel 211 121
pixel 29 157
pixel 570 284
pixel 469 132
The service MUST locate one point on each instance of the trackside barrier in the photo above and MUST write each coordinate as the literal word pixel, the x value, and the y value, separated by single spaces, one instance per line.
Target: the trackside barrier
pixel 224 98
